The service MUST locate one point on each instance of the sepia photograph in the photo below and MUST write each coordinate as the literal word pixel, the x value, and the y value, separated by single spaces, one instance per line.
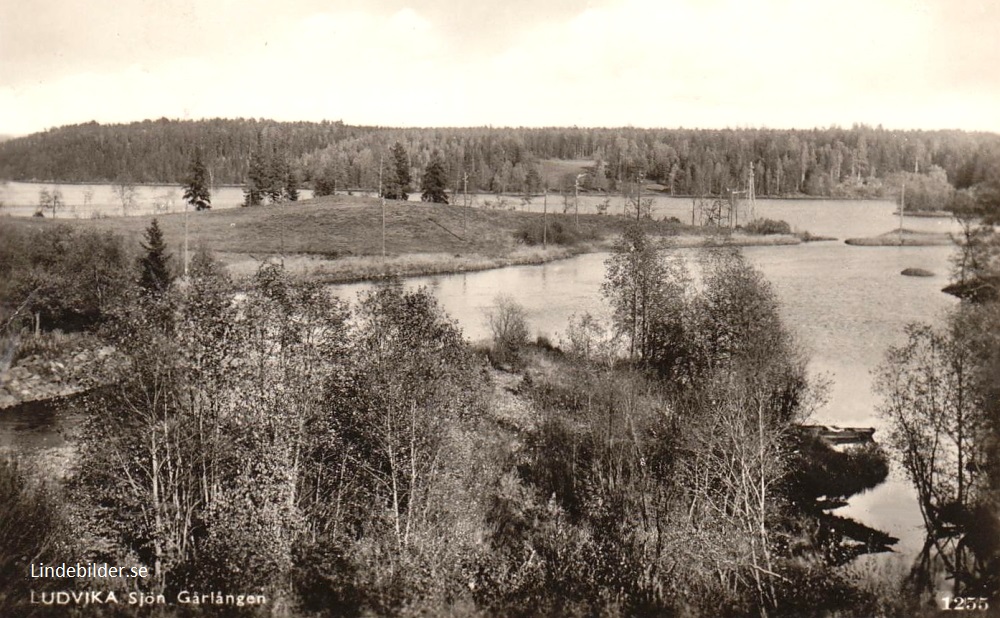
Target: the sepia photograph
pixel 550 308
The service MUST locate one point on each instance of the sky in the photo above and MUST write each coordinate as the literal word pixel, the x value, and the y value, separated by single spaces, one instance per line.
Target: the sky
pixel 921 64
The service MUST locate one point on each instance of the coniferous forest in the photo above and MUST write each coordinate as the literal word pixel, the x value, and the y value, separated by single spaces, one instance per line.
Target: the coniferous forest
pixel 861 161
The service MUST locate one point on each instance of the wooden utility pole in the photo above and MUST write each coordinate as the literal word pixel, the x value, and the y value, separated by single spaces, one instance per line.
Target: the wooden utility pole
pixel 381 196
pixel 638 197
pixel 621 187
pixel 186 261
pixel 465 200
pixel 902 205
pixel 545 219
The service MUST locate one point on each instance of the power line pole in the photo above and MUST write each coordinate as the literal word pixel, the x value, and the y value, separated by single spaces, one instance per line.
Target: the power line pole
pixel 545 218
pixel 638 196
pixel 186 261
pixel 902 205
pixel 381 195
pixel 465 200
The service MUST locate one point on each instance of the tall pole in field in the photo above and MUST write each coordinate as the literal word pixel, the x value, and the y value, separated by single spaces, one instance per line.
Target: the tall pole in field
pixel 381 195
pixel 621 187
pixel 185 239
pixel 638 196
pixel 465 200
pixel 545 218
pixel 902 205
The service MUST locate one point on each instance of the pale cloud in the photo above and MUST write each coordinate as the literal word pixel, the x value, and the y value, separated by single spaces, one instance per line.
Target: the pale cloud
pixel 639 62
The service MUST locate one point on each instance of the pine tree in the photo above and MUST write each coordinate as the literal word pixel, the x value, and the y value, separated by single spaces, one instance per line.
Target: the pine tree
pixel 196 190
pixel 253 193
pixel 434 182
pixel 397 182
pixel 154 270
pixel 291 184
pixel 276 175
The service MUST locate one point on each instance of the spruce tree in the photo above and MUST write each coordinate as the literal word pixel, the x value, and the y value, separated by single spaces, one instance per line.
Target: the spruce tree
pixel 291 184
pixel 434 182
pixel 396 185
pixel 196 190
pixel 253 193
pixel 154 270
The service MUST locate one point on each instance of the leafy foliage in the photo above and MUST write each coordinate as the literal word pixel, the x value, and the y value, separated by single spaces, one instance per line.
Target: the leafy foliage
pixel 767 226
pixel 71 277
pixel 508 322
pixel 32 530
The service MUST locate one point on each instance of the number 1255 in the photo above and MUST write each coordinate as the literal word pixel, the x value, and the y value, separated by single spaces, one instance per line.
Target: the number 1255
pixel 965 603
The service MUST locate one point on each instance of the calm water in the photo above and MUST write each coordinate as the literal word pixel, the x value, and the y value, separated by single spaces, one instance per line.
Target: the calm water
pixel 846 304
pixel 83 201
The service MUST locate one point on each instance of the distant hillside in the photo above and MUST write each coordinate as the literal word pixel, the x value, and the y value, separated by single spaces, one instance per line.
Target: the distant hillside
pixel 157 151
pixel 858 162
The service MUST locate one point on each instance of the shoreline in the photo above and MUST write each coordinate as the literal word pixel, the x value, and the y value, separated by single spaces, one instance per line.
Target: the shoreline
pixel 372 268
pixel 907 239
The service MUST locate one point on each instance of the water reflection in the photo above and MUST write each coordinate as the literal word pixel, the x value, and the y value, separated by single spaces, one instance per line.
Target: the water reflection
pixel 954 564
pixel 847 305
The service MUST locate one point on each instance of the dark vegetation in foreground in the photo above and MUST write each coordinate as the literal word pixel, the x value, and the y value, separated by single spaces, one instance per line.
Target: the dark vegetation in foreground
pixel 363 459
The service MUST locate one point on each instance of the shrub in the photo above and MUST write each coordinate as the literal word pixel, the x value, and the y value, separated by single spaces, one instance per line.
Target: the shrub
pixel 29 532
pixel 69 277
pixel 767 226
pixel 543 342
pixel 509 324
pixel 534 233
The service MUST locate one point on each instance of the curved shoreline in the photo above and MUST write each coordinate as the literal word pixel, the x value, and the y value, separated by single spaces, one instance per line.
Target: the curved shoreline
pixel 356 269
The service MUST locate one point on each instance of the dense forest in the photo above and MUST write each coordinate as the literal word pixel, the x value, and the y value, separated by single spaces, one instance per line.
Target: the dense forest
pixel 858 162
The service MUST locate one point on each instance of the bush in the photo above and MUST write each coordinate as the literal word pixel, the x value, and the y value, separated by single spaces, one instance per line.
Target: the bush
pixel 69 277
pixel 533 233
pixel 509 325
pixel 767 226
pixel 30 532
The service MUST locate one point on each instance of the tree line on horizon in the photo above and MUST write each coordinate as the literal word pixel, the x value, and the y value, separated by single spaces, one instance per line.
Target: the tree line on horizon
pixel 861 161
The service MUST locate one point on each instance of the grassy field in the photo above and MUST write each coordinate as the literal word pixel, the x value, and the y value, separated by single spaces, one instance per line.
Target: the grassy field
pixel 339 238
pixel 553 171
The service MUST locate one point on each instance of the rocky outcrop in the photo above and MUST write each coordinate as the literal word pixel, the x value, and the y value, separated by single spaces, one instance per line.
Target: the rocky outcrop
pixel 45 375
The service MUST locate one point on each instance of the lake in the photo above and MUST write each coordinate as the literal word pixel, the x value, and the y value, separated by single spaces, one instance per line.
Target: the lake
pixel 846 305
pixel 87 200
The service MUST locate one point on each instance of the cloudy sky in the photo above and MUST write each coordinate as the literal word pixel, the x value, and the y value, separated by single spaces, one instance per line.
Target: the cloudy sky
pixel 647 63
